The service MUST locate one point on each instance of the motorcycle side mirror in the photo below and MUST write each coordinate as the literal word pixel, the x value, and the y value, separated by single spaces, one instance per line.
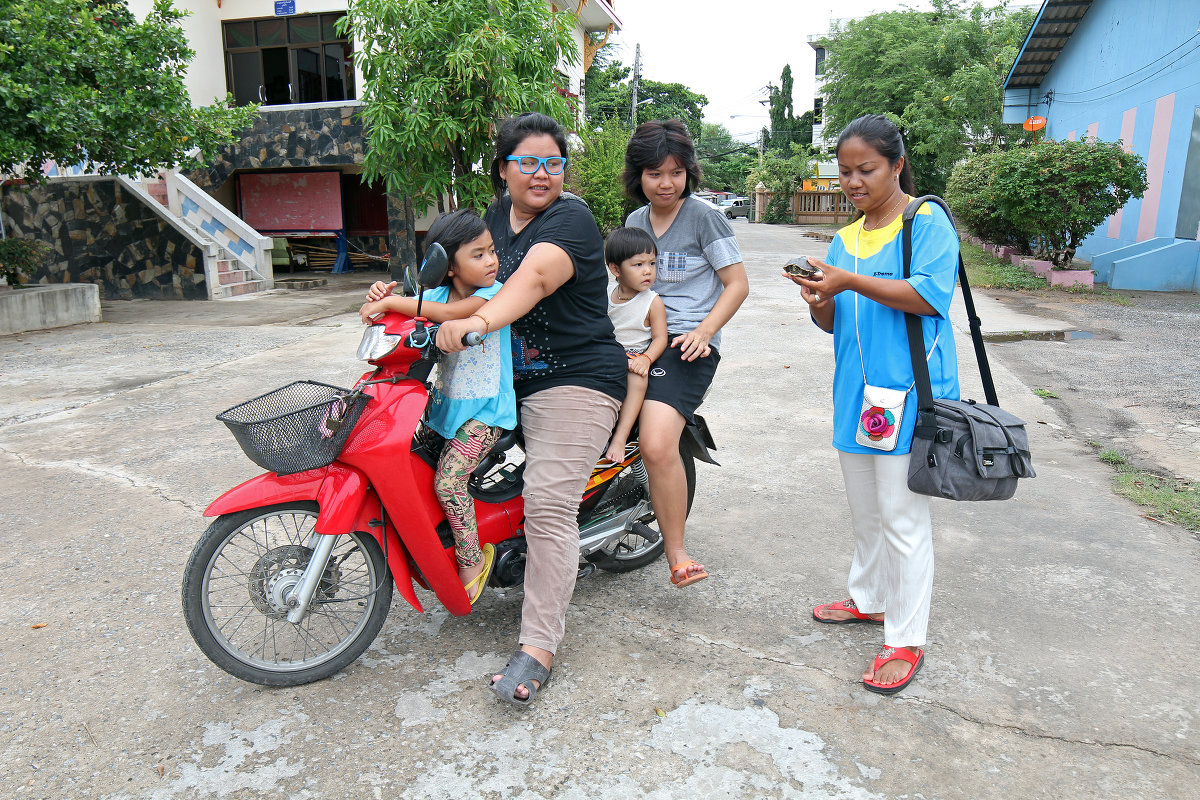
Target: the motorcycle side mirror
pixel 433 271
pixel 435 266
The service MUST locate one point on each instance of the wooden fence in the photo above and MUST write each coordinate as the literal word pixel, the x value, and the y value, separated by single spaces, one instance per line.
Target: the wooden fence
pixel 810 208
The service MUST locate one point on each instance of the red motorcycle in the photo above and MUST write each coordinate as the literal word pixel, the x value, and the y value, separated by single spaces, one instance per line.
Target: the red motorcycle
pixel 291 582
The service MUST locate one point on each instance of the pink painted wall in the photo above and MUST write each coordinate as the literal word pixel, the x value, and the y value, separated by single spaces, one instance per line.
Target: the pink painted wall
pixel 1127 120
pixel 1156 165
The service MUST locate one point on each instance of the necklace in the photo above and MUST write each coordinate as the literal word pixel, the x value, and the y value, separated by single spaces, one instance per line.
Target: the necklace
pixel 888 216
pixel 620 297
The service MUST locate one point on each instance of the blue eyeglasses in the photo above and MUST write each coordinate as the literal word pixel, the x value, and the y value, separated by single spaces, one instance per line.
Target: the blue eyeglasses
pixel 529 164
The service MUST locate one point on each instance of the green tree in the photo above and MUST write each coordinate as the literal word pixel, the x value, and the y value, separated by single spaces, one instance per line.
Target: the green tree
pixel 608 93
pixel 82 81
pixel 1053 194
pixel 604 91
pixel 595 172
pixel 782 175
pixel 938 74
pixel 724 160
pixel 784 128
pixel 438 74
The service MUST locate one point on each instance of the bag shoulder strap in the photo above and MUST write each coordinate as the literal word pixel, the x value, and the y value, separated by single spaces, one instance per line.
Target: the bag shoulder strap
pixel 916 340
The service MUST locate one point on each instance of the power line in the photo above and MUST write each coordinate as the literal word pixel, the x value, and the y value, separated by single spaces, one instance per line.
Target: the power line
pixel 1139 69
pixel 1177 67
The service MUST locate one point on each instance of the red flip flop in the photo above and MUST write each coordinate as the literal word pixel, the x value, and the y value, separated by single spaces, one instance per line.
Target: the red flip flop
pixel 850 608
pixel 891 654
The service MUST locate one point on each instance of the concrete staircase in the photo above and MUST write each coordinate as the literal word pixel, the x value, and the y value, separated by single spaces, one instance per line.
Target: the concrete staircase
pixel 233 281
pixel 237 258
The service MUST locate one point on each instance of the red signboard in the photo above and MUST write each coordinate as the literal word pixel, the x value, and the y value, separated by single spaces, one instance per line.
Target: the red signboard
pixel 291 202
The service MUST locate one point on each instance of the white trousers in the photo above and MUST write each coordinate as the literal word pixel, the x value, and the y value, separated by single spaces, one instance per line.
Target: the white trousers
pixel 892 571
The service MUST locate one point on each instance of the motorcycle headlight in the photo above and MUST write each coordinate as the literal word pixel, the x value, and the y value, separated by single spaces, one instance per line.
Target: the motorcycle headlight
pixel 376 343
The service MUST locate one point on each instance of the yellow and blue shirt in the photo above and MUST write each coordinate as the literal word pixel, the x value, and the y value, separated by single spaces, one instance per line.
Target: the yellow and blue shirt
pixel 881 329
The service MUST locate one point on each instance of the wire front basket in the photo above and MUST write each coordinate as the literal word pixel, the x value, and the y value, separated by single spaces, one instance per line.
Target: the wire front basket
pixel 301 426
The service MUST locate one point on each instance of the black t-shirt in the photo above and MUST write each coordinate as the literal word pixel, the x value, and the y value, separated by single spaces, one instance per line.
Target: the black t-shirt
pixel 567 338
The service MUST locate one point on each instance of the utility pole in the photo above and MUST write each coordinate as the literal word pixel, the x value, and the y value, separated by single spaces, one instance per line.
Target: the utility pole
pixel 637 70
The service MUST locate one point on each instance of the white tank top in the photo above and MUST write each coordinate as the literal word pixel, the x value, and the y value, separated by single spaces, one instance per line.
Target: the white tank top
pixel 629 320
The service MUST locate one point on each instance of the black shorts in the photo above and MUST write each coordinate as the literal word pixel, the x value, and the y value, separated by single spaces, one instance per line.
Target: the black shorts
pixel 681 384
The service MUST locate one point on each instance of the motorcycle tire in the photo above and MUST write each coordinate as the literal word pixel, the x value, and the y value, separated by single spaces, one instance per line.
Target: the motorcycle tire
pixel 241 570
pixel 634 551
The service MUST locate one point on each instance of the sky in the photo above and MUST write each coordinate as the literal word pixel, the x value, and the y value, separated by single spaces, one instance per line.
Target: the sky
pixel 729 50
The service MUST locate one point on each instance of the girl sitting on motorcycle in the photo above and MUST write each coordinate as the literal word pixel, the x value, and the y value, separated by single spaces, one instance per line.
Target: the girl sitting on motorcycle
pixel 472 399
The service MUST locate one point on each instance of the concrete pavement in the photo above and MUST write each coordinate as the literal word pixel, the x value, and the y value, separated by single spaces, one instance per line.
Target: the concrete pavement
pixel 1059 662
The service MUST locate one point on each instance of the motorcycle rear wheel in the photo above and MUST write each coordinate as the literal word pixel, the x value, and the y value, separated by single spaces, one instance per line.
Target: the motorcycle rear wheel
pixel 633 551
pixel 236 580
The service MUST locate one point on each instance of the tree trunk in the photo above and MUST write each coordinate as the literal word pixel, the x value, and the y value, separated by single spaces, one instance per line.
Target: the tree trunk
pixel 402 236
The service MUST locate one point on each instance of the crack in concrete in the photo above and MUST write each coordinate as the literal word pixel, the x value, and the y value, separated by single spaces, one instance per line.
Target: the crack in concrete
pixel 755 654
pixel 760 656
pixel 1051 737
pixel 92 471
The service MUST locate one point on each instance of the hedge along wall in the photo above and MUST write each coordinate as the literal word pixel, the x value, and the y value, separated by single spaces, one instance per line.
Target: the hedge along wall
pixel 101 233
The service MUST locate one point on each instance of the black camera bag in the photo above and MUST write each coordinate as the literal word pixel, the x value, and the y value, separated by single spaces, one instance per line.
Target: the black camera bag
pixel 961 449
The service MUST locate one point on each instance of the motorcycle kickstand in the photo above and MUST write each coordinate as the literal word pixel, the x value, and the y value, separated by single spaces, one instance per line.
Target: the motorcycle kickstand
pixel 301 596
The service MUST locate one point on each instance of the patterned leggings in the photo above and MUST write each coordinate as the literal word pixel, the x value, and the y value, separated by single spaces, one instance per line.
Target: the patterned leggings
pixel 459 458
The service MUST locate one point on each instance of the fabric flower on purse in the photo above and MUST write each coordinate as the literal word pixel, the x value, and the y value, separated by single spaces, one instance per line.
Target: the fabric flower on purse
pixel 878 423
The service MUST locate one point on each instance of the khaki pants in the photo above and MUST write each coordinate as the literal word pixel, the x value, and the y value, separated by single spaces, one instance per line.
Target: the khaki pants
pixel 566 428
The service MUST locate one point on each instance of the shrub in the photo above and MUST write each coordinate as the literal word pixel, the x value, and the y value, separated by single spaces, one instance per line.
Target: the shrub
pixel 595 173
pixel 777 212
pixel 20 259
pixel 971 195
pixel 1047 196
pixel 781 175
pixel 1058 192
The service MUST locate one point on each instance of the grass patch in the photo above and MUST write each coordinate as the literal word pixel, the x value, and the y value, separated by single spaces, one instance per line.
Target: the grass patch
pixel 1168 500
pixel 1045 394
pixel 988 272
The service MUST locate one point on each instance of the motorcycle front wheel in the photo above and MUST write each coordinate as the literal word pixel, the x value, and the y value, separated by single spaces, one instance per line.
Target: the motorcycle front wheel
pixel 238 577
pixel 634 550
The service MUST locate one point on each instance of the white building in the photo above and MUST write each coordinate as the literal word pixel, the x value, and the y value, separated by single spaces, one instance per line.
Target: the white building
pixel 295 175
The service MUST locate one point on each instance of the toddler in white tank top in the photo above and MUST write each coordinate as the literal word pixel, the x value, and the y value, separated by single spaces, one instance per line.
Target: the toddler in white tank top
pixel 639 320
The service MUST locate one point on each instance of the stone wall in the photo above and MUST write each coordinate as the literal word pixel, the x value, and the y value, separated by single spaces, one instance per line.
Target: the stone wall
pixel 101 233
pixel 303 138
pixel 290 139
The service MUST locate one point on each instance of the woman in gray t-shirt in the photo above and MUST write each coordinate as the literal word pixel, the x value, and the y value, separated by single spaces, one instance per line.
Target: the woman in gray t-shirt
pixel 702 282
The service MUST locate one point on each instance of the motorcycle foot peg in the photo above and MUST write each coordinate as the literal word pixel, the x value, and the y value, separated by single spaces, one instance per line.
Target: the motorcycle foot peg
pixel 645 531
pixel 585 570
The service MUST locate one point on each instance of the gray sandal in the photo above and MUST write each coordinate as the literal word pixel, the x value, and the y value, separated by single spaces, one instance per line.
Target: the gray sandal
pixel 522 669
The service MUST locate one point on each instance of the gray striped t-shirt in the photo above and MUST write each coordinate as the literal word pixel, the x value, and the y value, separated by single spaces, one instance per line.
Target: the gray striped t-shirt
pixel 699 242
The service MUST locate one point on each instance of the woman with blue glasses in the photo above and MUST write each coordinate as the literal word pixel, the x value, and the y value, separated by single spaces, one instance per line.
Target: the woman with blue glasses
pixel 568 371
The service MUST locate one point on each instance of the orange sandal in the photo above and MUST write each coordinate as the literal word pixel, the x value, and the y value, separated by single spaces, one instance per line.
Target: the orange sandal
pixel 686 580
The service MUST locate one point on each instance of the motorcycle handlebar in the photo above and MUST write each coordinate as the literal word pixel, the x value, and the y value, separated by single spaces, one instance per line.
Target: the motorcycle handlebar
pixel 469 339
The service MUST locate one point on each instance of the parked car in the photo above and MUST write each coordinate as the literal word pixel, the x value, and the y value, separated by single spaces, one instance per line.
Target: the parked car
pixel 735 207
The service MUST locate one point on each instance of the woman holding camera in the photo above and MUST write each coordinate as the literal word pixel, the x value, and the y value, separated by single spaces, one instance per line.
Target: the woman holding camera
pixel 859 294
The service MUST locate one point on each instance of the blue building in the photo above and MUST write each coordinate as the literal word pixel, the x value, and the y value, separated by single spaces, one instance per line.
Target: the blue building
pixel 1120 70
